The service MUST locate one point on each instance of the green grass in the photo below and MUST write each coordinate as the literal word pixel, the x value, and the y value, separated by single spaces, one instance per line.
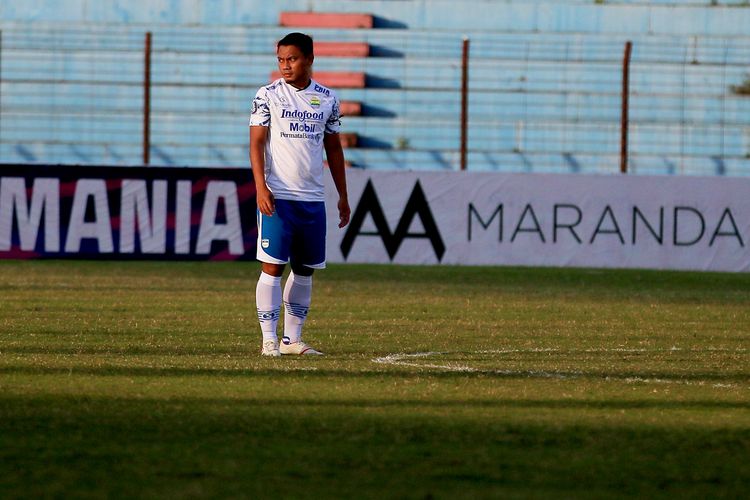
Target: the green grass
pixel 144 380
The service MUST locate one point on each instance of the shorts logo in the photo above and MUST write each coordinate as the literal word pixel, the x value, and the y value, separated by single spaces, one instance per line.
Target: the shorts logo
pixel 315 101
pixel 265 243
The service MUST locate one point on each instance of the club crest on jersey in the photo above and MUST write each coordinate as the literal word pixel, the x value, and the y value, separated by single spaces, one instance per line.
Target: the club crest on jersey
pixel 315 101
pixel 265 243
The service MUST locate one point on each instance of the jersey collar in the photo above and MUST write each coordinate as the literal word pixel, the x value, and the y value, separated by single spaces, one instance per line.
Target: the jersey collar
pixel 299 90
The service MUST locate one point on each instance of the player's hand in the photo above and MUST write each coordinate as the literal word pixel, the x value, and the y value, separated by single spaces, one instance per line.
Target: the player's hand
pixel 344 212
pixel 265 201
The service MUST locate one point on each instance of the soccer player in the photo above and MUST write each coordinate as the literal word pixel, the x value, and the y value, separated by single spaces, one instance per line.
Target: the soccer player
pixel 292 121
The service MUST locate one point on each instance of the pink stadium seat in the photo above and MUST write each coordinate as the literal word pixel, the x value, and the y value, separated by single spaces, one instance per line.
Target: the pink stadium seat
pixel 348 139
pixel 342 49
pixel 351 108
pixel 326 20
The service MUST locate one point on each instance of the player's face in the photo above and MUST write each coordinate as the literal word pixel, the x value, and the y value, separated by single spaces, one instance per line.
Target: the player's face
pixel 295 67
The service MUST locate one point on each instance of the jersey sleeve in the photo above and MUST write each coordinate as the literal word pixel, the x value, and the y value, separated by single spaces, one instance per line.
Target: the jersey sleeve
pixel 261 111
pixel 333 125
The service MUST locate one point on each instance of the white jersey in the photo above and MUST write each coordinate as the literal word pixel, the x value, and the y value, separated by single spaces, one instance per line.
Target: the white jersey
pixel 296 121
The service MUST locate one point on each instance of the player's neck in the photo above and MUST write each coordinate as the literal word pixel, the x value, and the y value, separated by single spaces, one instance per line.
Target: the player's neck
pixel 301 87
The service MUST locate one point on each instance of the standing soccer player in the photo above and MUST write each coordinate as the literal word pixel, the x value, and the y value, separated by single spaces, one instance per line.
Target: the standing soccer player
pixel 293 120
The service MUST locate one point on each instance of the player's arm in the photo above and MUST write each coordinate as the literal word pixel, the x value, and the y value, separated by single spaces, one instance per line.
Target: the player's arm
pixel 263 195
pixel 335 156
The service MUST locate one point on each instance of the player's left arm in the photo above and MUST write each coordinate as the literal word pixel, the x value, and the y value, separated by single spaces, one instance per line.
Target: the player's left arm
pixel 337 166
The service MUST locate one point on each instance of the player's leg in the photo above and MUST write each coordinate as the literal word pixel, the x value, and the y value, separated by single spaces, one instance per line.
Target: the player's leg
pixel 297 297
pixel 307 254
pixel 268 302
pixel 273 247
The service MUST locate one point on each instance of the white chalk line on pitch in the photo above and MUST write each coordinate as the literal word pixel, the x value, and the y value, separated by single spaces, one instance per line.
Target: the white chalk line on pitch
pixel 401 359
pixel 398 359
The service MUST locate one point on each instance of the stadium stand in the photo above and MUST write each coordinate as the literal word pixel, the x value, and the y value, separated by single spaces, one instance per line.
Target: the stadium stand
pixel 544 82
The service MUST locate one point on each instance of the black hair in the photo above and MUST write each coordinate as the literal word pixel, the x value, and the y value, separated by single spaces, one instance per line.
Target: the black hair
pixel 303 42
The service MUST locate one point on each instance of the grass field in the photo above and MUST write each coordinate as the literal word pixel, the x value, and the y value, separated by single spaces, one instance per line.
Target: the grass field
pixel 144 380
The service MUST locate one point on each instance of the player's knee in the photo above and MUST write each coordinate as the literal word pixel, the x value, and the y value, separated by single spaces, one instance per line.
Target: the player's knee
pixel 273 269
pixel 301 270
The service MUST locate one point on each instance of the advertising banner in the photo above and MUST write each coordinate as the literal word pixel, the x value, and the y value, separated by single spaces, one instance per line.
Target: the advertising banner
pixel 464 218
pixel 126 213
pixel 544 220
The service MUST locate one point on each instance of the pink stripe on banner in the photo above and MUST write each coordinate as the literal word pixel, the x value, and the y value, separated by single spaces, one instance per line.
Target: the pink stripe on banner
pixel 16 253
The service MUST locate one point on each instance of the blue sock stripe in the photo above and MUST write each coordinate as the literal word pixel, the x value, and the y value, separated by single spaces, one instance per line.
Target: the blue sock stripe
pixel 271 315
pixel 297 310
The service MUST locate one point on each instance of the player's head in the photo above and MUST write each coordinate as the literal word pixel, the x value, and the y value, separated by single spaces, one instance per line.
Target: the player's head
pixel 303 42
pixel 295 56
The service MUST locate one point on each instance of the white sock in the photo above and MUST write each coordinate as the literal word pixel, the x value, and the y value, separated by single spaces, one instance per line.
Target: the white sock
pixel 268 301
pixel 297 295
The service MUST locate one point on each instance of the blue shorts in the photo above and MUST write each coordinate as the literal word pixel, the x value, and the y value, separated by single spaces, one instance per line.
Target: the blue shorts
pixel 295 232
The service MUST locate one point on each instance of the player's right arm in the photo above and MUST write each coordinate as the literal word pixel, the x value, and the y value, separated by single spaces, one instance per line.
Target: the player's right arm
pixel 263 195
pixel 260 119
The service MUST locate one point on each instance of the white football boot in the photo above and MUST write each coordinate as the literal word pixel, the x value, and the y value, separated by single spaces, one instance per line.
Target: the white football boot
pixel 299 348
pixel 270 348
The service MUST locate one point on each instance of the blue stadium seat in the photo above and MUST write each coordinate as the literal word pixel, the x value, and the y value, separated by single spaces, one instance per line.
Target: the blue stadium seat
pixel 544 82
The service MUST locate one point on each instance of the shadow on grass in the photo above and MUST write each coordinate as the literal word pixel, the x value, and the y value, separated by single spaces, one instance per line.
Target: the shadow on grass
pixel 134 350
pixel 107 446
pixel 275 368
pixel 372 403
